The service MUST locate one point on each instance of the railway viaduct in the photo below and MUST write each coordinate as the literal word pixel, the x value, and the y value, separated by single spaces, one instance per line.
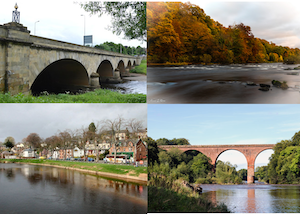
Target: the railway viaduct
pixel 36 64
pixel 214 151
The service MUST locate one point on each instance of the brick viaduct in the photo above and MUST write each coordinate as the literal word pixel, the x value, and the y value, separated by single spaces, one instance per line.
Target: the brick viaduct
pixel 36 64
pixel 214 151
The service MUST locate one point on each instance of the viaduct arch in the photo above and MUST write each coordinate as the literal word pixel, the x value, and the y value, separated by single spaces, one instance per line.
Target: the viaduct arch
pixel 214 151
pixel 26 61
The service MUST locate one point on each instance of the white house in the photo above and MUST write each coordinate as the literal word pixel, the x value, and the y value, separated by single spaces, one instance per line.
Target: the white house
pixel 28 153
pixel 77 153
pixel 55 155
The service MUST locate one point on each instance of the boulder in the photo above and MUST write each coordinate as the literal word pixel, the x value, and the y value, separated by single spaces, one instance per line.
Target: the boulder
pixel 276 83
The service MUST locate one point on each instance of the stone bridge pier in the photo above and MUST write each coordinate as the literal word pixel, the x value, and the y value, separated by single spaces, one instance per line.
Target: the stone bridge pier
pixel 32 64
pixel 214 151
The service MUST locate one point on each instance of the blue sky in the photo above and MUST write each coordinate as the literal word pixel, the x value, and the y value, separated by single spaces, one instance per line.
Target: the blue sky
pixel 207 124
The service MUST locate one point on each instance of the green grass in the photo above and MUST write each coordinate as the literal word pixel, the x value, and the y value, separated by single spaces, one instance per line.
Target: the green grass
pixel 140 69
pixel 97 96
pixel 110 168
pixel 166 200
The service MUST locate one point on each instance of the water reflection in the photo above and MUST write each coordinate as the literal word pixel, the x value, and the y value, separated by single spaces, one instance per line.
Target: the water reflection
pixel 255 198
pixel 70 191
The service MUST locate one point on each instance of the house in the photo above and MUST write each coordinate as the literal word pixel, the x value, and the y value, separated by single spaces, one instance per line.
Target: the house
pixel 28 153
pixel 136 152
pixel 65 153
pixel 141 150
pixel 53 154
pixel 77 153
pixel 103 146
pixel 8 155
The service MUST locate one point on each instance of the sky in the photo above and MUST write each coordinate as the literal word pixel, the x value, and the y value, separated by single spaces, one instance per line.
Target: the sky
pixel 211 124
pixel 276 21
pixel 19 120
pixel 62 20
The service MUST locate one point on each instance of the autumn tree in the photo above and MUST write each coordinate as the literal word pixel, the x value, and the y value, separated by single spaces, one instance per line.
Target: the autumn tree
pixel 182 32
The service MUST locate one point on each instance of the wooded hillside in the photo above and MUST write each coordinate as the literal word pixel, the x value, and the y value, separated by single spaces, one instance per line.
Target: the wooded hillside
pixel 182 32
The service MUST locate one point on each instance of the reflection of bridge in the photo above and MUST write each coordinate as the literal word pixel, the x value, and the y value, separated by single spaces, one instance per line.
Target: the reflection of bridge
pixel 213 152
pixel 39 64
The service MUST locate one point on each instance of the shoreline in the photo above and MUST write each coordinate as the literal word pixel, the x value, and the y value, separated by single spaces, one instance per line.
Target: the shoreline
pixel 140 180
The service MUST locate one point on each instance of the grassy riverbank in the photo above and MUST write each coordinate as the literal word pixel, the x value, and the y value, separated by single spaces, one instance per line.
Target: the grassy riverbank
pixel 97 96
pixel 168 195
pixel 166 200
pixel 97 167
pixel 140 69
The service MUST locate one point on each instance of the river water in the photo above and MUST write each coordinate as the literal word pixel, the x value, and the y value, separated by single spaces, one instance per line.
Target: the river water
pixel 40 189
pixel 135 84
pixel 255 198
pixel 222 84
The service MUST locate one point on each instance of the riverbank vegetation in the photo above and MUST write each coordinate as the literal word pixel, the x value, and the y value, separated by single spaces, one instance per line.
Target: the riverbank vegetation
pixel 97 96
pixel 140 69
pixel 97 167
pixel 284 165
pixel 168 169
pixel 183 33
pixel 119 48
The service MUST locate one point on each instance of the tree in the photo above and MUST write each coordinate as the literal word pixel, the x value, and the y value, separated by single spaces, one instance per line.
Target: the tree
pixel 128 17
pixel 114 127
pixel 152 151
pixel 201 166
pixel 9 142
pixel 34 140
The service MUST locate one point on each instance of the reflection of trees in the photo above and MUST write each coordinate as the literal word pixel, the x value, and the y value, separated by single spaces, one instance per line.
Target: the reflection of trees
pixel 10 174
pixel 35 178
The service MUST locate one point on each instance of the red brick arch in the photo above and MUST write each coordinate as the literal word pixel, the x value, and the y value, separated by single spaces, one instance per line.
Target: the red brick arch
pixel 213 152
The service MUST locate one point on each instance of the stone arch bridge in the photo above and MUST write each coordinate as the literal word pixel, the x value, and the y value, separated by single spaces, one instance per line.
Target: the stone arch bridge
pixel 214 151
pixel 36 64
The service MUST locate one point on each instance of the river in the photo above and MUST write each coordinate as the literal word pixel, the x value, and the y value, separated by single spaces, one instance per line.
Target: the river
pixel 40 189
pixel 255 198
pixel 135 84
pixel 222 84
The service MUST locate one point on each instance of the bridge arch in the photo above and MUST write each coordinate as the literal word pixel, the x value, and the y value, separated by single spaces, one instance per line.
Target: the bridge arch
pixel 60 76
pixel 129 67
pixel 121 67
pixel 226 150
pixel 105 70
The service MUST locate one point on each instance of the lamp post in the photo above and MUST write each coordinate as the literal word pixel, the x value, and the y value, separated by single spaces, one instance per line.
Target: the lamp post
pixel 35 26
pixel 83 29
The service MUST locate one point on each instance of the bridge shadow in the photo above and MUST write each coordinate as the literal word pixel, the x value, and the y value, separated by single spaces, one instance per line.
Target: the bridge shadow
pixel 61 76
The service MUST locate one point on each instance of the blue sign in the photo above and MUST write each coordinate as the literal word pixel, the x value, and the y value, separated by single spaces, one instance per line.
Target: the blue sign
pixel 88 39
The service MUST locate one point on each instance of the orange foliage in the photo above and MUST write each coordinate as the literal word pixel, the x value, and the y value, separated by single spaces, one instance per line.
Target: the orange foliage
pixel 182 32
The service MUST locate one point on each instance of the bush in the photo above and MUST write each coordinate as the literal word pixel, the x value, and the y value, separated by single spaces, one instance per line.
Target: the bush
pixel 293 59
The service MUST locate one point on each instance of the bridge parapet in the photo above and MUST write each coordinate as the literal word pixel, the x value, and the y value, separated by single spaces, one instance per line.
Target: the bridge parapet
pixel 56 44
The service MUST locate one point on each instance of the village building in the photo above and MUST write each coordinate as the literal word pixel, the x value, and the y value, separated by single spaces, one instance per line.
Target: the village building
pixel 65 153
pixel 78 153
pixel 136 153
pixel 28 153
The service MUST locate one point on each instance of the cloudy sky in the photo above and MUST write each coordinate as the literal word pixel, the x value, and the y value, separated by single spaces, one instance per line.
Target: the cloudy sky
pixel 276 21
pixel 19 120
pixel 62 20
pixel 204 124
